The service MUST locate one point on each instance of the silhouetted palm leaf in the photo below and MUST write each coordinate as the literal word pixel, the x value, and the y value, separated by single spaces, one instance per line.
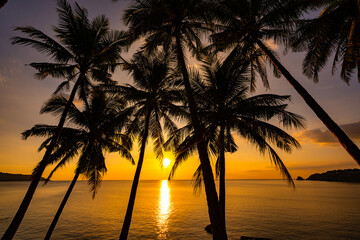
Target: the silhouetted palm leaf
pixel 249 24
pixel 335 32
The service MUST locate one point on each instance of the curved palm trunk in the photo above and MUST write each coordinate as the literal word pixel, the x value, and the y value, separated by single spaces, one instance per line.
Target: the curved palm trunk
pixel 130 207
pixel 216 218
pixel 344 140
pixel 15 223
pixel 222 170
pixel 61 207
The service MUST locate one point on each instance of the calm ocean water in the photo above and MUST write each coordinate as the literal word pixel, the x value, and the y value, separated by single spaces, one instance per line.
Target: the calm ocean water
pixel 258 208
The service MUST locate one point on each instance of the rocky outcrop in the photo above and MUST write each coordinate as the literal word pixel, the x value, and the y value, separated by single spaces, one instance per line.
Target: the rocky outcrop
pixel 208 229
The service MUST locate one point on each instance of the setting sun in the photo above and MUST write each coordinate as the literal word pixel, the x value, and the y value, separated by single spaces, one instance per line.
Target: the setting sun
pixel 166 162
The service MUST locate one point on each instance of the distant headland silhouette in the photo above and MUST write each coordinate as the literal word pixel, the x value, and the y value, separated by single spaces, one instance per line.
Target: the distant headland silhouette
pixel 345 175
pixel 16 177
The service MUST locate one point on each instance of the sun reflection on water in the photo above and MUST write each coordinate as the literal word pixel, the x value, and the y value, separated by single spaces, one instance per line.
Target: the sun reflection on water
pixel 164 210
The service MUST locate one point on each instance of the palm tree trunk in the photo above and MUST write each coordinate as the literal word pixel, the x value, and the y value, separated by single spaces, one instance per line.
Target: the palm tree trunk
pixel 130 207
pixel 61 207
pixel 344 140
pixel 216 218
pixel 222 170
pixel 15 223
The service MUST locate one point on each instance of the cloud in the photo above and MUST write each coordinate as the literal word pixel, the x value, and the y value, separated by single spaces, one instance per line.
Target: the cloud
pixel 319 136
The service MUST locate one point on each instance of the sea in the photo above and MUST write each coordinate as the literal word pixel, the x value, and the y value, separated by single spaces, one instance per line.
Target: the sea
pixel 171 210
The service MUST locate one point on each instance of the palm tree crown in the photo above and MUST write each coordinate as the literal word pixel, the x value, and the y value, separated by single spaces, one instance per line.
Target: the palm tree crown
pixel 336 31
pixel 225 107
pixel 249 23
pixel 85 49
pixel 95 131
pixel 159 21
pixel 156 94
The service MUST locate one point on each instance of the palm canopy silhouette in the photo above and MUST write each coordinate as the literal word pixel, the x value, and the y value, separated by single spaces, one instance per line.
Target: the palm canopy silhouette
pixel 84 52
pixel 176 25
pixel 154 98
pixel 335 32
pixel 96 130
pixel 250 23
pixel 225 107
pixel 2 3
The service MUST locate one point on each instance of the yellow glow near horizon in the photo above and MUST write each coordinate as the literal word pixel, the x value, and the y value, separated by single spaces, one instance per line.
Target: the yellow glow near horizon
pixel 166 162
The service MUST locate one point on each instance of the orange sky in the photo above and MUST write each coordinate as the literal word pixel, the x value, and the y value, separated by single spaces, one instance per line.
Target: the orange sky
pixel 21 97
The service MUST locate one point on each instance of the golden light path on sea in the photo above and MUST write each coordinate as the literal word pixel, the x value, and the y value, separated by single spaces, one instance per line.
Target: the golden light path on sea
pixel 163 210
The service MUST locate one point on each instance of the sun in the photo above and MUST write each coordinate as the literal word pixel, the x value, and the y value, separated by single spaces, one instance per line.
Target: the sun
pixel 166 162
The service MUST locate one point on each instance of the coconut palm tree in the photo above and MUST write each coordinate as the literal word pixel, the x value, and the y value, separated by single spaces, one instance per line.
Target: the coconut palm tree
pixel 250 23
pixel 176 25
pixel 85 52
pixel 95 131
pixel 225 108
pixel 153 97
pixel 336 31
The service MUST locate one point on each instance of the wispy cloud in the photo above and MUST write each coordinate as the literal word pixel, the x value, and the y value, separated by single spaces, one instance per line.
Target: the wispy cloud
pixel 319 136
